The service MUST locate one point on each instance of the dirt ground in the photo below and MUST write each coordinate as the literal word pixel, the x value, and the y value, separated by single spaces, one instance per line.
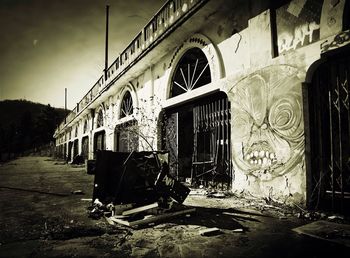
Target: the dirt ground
pixel 41 217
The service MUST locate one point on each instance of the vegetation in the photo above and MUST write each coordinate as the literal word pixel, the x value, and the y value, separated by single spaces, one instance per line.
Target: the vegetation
pixel 26 125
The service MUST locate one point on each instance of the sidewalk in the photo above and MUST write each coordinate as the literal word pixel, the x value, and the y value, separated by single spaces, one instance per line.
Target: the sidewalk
pixel 40 217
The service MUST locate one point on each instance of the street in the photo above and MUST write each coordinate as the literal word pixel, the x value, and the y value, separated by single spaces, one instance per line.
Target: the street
pixel 41 216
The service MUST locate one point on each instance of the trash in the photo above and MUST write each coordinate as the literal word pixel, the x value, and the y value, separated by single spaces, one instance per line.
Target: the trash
pixel 91 167
pixel 78 159
pixel 97 203
pixel 201 192
pixel 238 230
pixel 136 188
pixel 216 195
pixel 209 231
pixel 119 208
pixel 109 221
pixel 97 209
pixel 137 219
pixel 334 217
pixel 86 199
pixel 78 192
pixel 140 209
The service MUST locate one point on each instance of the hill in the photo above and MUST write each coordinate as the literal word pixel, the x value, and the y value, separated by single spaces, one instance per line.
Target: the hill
pixel 25 124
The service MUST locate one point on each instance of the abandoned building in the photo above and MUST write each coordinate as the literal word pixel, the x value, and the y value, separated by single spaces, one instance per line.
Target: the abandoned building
pixel 246 96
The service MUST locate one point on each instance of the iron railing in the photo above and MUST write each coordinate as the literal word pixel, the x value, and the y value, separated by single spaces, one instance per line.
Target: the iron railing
pixel 167 17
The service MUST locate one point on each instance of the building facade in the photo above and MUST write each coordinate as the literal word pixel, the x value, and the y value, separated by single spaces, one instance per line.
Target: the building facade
pixel 249 96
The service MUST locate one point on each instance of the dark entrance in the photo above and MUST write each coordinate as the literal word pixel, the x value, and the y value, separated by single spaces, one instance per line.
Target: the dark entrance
pixel 85 147
pixel 70 151
pixel 197 136
pixel 330 135
pixel 75 148
pixel 99 141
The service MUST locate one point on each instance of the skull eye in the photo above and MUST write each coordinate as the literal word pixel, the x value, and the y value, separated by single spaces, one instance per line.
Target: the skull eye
pixel 285 117
pixel 242 124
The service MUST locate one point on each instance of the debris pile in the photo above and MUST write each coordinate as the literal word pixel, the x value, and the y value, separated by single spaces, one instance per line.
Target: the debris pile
pixel 136 188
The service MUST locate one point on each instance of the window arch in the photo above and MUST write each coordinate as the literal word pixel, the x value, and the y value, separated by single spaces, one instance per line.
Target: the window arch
pixel 192 72
pixel 99 120
pixel 85 129
pixel 126 107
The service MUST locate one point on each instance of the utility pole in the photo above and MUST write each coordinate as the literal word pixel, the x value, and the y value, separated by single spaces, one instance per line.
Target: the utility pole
pixel 65 105
pixel 106 47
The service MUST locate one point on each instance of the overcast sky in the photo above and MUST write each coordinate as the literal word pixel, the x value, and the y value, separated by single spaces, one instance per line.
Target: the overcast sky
pixel 49 45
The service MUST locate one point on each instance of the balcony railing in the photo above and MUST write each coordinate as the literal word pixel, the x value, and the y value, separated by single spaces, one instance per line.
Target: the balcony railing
pixel 167 17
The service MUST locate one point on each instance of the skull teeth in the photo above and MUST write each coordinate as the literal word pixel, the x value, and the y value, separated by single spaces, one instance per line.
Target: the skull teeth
pixel 261 158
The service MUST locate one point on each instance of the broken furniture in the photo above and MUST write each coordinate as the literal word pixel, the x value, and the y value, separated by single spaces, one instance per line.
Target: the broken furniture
pixel 134 182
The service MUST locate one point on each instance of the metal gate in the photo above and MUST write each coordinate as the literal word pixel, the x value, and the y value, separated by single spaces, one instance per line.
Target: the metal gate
pixel 211 161
pixel 197 136
pixel 330 135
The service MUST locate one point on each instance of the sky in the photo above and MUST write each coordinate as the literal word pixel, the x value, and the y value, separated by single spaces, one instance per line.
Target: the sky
pixel 49 45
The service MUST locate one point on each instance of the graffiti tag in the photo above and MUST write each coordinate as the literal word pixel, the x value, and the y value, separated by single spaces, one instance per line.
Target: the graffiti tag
pixel 289 41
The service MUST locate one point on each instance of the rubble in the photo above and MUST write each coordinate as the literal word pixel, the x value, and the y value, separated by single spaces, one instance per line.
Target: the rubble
pixel 136 188
pixel 78 192
pixel 209 231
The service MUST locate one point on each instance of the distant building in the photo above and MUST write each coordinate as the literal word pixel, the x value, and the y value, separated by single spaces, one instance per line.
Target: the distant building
pixel 245 95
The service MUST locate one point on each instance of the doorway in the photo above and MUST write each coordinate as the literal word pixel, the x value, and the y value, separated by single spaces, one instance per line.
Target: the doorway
pixel 85 147
pixel 329 117
pixel 99 141
pixel 197 136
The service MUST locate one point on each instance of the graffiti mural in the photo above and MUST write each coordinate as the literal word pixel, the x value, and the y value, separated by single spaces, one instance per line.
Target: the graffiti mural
pixel 298 24
pixel 267 122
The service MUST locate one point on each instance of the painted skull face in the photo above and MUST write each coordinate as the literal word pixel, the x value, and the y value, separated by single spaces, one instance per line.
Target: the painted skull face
pixel 267 128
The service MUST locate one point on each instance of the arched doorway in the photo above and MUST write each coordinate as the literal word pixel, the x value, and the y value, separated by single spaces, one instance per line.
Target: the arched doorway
pixel 329 117
pixel 99 141
pixel 85 147
pixel 75 147
pixel 197 136
pixel 70 151
pixel 196 132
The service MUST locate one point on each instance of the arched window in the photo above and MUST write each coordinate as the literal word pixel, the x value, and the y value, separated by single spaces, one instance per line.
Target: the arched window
pixel 85 126
pixel 99 119
pixel 126 108
pixel 191 72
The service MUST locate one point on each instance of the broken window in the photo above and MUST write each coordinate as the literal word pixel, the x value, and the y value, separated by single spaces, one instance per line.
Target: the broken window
pixel 85 126
pixel 99 119
pixel 127 139
pixel 126 106
pixel 191 72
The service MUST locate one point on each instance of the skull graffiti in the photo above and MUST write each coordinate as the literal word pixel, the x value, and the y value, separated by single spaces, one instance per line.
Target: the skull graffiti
pixel 267 126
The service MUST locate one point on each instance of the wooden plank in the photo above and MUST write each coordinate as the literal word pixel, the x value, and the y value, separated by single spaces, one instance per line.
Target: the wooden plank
pixel 119 208
pixel 140 209
pixel 209 231
pixel 150 219
pixel 109 220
